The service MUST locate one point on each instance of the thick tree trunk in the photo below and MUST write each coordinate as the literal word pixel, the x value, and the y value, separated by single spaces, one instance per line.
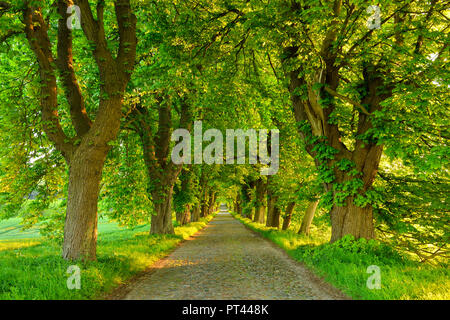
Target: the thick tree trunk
pixel 288 215
pixel 204 204
pixel 260 214
pixel 87 158
pixel 276 214
pixel 80 229
pixel 184 217
pixel 237 204
pixel 270 208
pixel 211 203
pixel 308 218
pixel 352 220
pixel 271 201
pixel 195 214
pixel 187 215
pixel 315 111
pixel 180 217
pixel 260 208
pixel 162 222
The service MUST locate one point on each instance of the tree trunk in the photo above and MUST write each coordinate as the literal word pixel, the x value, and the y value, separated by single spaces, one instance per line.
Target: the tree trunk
pixel 308 218
pixel 196 214
pixel 352 220
pixel 269 213
pixel 187 215
pixel 80 229
pixel 85 159
pixel 204 201
pixel 276 214
pixel 315 109
pixel 162 222
pixel 260 208
pixel 288 215
pixel 270 208
pixel 179 217
pixel 184 217
pixel 237 204
pixel 211 203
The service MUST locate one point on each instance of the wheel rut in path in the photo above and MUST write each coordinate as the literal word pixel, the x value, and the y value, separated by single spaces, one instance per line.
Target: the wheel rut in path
pixel 227 261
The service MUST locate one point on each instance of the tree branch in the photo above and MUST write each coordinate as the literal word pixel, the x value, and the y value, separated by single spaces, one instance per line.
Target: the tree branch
pixel 80 119
pixel 347 99
pixel 40 44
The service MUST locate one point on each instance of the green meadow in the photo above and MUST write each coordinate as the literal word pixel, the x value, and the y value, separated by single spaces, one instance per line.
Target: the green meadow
pixel 32 268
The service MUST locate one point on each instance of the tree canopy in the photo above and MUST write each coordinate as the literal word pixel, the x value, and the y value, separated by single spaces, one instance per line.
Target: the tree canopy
pixel 359 94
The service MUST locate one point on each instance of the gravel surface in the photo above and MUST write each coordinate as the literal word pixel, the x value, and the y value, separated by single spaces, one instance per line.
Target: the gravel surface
pixel 227 261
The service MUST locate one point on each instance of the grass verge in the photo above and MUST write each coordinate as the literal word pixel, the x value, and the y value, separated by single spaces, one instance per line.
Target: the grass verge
pixel 345 263
pixel 30 270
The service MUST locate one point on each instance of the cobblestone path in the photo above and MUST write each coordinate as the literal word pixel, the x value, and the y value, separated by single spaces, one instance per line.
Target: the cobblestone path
pixel 227 261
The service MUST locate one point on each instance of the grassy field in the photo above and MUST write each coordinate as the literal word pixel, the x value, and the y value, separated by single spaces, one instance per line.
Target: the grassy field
pixel 32 268
pixel 344 264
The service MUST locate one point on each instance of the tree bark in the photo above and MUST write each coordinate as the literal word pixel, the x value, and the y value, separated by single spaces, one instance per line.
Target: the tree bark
pixel 211 203
pixel 196 214
pixel 237 204
pixel 288 215
pixel 204 206
pixel 260 209
pixel 271 200
pixel 187 215
pixel 161 223
pixel 80 228
pixel 308 218
pixel 352 220
pixel 314 112
pixel 85 153
pixel 162 172
pixel 276 214
pixel 184 217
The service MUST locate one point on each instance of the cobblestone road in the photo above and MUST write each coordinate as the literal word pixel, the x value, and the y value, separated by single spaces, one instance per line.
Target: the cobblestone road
pixel 227 261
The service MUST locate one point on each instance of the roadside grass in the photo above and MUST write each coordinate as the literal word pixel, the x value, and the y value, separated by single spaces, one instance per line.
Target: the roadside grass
pixel 344 264
pixel 17 244
pixel 36 271
pixel 11 230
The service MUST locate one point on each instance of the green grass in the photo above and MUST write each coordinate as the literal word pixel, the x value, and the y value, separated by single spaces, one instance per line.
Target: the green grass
pixel 11 230
pixel 344 264
pixel 34 269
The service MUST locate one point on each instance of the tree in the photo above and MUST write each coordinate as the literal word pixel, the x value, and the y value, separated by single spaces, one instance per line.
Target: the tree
pixel 85 152
pixel 260 193
pixel 184 196
pixel 162 171
pixel 288 215
pixel 344 83
pixel 308 217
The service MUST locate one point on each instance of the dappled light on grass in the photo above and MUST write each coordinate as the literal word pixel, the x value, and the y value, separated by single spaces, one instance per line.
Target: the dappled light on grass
pixel 15 244
pixel 38 272
pixel 344 264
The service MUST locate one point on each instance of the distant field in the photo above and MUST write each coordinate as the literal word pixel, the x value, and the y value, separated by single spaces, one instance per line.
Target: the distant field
pixel 31 266
pixel 11 229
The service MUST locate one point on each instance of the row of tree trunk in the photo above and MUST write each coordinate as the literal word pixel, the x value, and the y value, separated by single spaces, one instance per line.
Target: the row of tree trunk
pixel 267 210
pixel 194 213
